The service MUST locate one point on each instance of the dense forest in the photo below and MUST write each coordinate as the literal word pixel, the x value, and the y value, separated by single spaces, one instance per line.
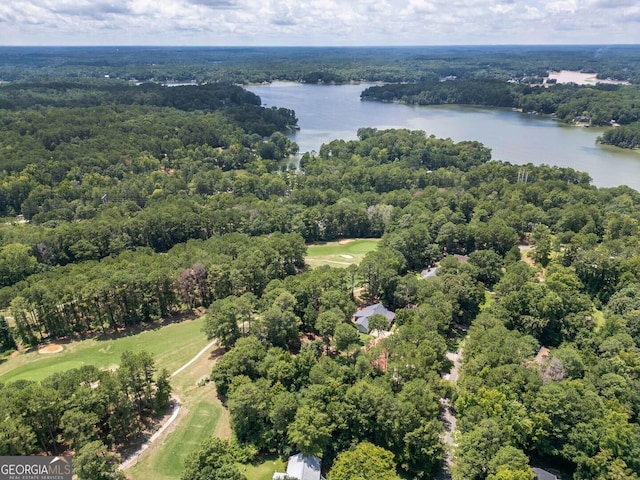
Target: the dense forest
pixel 317 64
pixel 627 136
pixel 137 202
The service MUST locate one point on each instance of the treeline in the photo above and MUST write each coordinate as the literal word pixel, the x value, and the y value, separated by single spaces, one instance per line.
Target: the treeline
pixel 89 411
pixel 244 106
pixel 458 92
pixel 239 105
pixel 328 64
pixel 143 286
pixel 594 105
pixel 59 159
pixel 513 410
pixel 626 136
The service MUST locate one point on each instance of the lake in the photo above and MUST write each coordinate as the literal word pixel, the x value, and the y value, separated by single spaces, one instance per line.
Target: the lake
pixel 326 113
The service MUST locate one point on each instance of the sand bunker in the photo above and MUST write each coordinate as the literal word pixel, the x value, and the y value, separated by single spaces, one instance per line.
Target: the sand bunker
pixel 347 256
pixel 53 348
pixel 345 241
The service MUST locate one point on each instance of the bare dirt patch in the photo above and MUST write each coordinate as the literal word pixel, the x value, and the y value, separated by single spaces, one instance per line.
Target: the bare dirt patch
pixel 50 349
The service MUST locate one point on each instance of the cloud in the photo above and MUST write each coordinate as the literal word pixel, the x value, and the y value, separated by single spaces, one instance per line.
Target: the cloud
pixel 216 4
pixel 615 3
pixel 324 22
pixel 95 10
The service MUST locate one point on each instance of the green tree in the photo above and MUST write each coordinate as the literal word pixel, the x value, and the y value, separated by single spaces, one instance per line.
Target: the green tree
pixel 475 447
pixel 279 327
pixel 327 322
pixel 310 431
pixel 243 359
pixel 213 460
pixel 16 263
pixel 248 405
pixel 365 461
pixel 7 342
pixel 95 462
pixel 378 322
pixel 16 437
pixel 541 239
pixel 79 428
pixel 510 463
pixel 221 321
pixel 346 336
pixel 489 266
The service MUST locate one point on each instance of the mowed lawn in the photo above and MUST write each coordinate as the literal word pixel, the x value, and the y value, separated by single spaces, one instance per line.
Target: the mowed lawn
pixel 171 345
pixel 340 254
pixel 263 470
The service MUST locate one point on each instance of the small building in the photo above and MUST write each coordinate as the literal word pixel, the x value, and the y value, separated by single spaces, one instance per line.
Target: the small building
pixel 362 316
pixel 542 474
pixel 300 467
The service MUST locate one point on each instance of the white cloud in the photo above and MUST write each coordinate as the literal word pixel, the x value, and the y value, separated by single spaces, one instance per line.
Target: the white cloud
pixel 324 22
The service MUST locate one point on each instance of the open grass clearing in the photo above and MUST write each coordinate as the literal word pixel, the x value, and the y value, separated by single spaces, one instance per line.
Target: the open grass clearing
pixel 263 470
pixel 171 345
pixel 341 253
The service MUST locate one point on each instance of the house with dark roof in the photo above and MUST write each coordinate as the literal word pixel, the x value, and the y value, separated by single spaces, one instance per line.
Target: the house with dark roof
pixel 300 467
pixel 362 316
pixel 542 474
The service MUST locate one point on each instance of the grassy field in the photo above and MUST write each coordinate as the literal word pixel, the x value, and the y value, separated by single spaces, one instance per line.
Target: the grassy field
pixel 340 254
pixel 172 345
pixel 263 470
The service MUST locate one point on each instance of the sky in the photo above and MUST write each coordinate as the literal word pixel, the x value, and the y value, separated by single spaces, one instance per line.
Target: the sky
pixel 318 22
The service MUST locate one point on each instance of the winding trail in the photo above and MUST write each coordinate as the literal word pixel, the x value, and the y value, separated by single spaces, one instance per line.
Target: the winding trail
pixel 176 405
pixel 448 415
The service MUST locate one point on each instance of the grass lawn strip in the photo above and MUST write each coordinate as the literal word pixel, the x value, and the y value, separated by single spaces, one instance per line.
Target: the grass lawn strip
pixel 263 470
pixel 171 346
pixel 340 254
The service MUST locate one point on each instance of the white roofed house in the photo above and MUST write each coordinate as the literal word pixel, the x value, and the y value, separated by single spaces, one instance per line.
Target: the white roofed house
pixel 362 316
pixel 300 467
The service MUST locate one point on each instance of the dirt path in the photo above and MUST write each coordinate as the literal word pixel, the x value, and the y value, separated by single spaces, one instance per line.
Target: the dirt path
pixel 176 405
pixel 448 415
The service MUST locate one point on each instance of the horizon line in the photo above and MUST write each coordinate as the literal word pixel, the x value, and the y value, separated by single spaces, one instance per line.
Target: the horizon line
pixel 326 46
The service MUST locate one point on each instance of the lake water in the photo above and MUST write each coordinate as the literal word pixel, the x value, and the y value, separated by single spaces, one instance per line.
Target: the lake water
pixel 326 113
